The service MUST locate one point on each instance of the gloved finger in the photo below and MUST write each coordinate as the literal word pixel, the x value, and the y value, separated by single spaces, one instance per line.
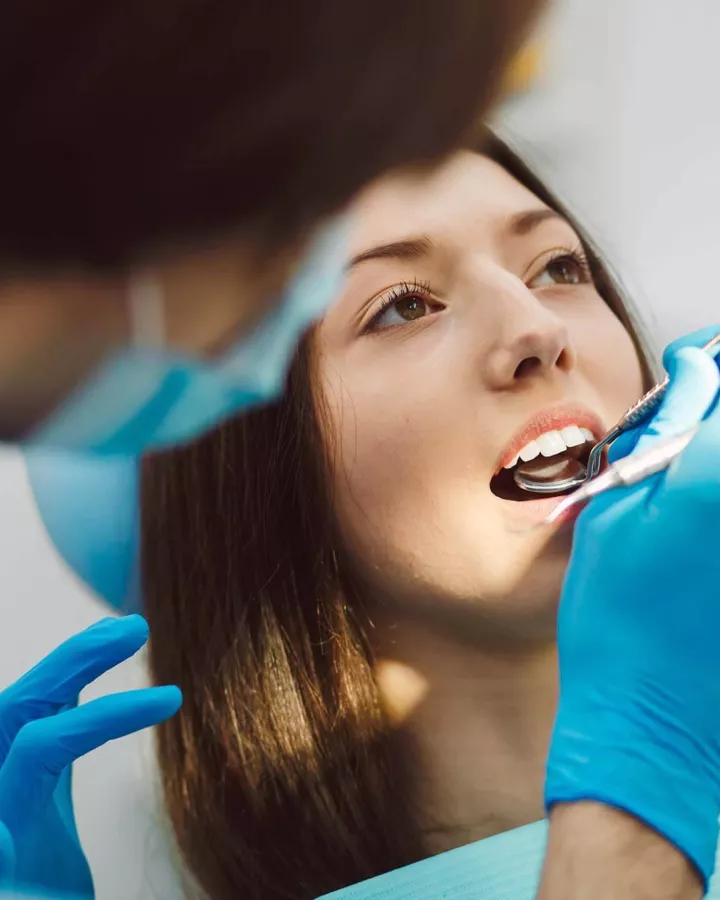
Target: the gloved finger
pixel 694 386
pixel 694 339
pixel 44 747
pixel 693 479
pixel 58 679
pixel 628 442
pixel 7 855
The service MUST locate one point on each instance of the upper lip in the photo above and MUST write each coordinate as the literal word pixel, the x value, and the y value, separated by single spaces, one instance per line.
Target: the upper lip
pixel 550 419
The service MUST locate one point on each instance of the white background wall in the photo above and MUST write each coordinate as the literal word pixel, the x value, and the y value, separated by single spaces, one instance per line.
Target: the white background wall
pixel 626 126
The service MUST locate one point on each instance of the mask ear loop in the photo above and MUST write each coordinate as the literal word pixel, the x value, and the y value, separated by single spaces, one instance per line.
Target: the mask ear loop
pixel 146 311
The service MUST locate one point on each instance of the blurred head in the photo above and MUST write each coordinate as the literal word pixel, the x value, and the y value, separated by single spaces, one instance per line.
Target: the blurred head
pixel 209 141
pixel 473 318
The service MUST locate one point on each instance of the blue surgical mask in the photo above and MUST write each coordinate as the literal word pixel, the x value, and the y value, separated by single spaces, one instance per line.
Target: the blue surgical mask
pixel 148 397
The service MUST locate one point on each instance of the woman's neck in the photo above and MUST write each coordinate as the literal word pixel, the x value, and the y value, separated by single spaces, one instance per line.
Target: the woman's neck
pixel 481 724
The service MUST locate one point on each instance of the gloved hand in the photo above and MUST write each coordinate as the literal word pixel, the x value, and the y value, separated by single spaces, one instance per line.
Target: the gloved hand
pixel 638 723
pixel 7 855
pixel 42 732
pixel 679 409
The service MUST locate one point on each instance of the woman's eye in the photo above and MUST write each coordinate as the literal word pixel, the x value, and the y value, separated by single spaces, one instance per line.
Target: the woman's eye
pixel 562 270
pixel 400 311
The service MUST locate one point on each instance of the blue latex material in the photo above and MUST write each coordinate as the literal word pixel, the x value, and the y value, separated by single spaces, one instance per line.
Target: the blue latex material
pixel 147 398
pixel 639 619
pixel 42 732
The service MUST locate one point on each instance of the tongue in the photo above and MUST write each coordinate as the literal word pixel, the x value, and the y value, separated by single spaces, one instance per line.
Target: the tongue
pixel 545 471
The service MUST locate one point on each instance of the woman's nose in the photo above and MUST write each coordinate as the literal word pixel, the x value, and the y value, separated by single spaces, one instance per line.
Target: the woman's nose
pixel 532 340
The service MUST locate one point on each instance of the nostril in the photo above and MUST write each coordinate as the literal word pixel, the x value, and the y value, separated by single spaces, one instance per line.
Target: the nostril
pixel 564 361
pixel 531 365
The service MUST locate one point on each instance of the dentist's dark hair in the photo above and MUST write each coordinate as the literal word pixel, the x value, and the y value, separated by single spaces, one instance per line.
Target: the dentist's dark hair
pixel 282 778
pixel 131 126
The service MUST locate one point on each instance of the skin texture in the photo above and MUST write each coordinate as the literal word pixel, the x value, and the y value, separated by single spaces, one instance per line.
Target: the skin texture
pixel 421 407
pixel 595 852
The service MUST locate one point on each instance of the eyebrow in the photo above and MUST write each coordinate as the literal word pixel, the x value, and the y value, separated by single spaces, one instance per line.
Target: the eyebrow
pixel 413 248
pixel 523 223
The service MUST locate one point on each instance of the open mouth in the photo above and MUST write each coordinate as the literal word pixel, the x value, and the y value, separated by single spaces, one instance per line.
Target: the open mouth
pixel 550 458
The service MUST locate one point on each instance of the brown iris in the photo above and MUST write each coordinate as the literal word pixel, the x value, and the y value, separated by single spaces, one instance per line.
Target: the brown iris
pixel 566 270
pixel 411 308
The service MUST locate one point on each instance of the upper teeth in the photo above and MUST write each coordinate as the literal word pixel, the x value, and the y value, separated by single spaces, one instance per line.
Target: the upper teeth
pixel 552 443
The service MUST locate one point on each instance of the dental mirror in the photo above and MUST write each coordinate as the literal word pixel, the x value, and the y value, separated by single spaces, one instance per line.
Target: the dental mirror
pixel 547 477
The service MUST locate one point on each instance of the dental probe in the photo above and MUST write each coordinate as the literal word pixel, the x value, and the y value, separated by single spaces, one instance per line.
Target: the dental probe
pixel 627 471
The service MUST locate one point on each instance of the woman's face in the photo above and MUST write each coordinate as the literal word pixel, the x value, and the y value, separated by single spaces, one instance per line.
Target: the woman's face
pixel 468 328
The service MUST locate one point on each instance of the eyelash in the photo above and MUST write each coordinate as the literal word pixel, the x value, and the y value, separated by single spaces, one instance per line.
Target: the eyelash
pixel 399 292
pixel 576 254
pixel 424 290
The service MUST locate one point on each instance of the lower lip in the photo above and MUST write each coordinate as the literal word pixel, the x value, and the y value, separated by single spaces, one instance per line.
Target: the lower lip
pixel 532 512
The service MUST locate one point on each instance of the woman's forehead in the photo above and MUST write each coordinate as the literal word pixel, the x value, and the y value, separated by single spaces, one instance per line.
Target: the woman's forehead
pixel 469 191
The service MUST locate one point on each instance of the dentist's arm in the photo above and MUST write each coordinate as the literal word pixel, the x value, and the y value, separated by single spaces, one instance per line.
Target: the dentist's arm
pixel 633 776
pixel 596 852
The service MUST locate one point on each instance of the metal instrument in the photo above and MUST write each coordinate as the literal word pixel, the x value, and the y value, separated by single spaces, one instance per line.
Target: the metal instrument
pixel 638 413
pixel 627 471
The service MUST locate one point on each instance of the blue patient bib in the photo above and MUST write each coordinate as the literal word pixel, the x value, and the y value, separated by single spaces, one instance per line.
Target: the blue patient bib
pixel 503 867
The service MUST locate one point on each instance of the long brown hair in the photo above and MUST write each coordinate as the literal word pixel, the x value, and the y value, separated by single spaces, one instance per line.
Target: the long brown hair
pixel 131 125
pixel 281 777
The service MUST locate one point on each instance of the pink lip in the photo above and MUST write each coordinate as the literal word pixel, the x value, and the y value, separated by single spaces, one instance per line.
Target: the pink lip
pixel 551 419
pixel 530 512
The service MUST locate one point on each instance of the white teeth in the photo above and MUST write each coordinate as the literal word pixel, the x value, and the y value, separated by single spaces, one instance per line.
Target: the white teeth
pixel 553 443
pixel 530 451
pixel 573 436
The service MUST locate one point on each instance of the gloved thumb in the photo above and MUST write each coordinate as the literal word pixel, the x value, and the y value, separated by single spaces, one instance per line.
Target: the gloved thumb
pixel 7 856
pixel 693 390
pixel 694 339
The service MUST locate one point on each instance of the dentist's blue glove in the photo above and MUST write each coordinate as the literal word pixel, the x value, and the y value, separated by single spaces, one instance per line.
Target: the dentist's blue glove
pixel 42 732
pixel 7 855
pixel 680 408
pixel 638 724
